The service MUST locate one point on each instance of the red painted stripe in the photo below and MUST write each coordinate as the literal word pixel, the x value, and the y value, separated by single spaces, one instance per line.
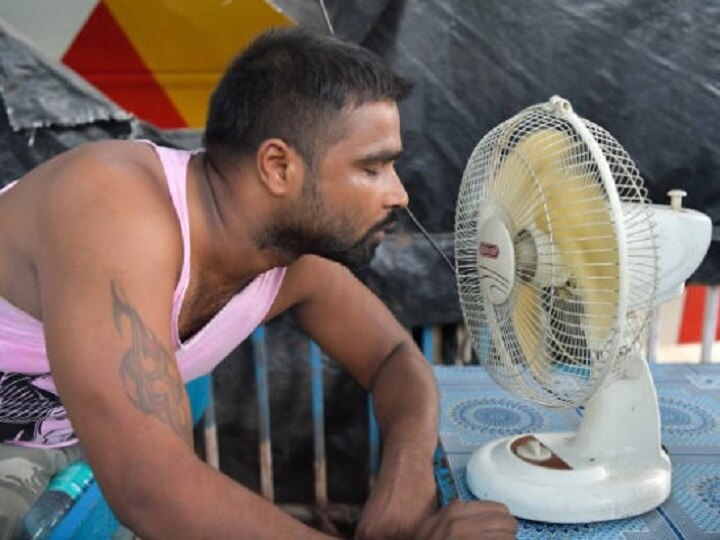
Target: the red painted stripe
pixel 692 317
pixel 102 53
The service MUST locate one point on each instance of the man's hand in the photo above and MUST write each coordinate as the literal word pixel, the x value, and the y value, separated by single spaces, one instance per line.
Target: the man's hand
pixel 401 500
pixel 466 520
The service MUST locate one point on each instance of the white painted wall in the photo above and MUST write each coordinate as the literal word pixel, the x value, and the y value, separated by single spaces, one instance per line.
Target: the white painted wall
pixel 51 25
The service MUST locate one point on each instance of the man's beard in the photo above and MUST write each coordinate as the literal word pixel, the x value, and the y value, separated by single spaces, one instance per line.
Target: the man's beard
pixel 356 256
pixel 314 232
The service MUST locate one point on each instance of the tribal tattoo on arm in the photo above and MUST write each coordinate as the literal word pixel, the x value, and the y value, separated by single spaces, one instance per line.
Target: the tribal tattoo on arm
pixel 150 378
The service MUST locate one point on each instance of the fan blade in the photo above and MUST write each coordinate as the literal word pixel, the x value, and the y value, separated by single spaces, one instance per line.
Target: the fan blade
pixel 515 191
pixel 515 185
pixel 525 319
pixel 580 224
pixel 542 182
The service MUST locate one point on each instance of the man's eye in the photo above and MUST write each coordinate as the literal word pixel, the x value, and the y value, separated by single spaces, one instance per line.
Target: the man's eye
pixel 371 172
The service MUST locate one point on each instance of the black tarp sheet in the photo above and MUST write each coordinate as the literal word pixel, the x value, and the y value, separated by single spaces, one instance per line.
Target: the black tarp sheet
pixel 648 71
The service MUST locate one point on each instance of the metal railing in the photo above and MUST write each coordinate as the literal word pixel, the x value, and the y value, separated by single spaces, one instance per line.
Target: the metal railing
pixel 323 511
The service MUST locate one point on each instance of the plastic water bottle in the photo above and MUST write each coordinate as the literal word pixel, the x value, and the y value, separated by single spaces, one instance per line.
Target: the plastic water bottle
pixel 63 490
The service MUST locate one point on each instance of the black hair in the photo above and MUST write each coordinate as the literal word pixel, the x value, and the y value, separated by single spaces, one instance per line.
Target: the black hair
pixel 290 84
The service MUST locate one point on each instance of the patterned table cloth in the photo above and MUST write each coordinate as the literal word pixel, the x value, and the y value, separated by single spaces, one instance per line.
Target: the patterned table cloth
pixel 474 410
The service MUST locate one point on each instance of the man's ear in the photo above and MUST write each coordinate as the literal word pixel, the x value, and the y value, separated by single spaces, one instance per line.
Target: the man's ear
pixel 280 167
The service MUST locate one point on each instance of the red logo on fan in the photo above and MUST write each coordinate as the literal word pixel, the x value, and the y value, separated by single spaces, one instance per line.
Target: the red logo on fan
pixel 491 251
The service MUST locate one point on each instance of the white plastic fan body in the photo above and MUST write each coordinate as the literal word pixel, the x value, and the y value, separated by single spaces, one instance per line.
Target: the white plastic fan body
pixel 557 271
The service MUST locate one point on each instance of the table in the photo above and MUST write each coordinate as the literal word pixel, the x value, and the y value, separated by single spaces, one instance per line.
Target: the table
pixel 474 410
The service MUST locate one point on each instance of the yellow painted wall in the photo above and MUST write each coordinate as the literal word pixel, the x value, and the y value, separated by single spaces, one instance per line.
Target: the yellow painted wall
pixel 187 44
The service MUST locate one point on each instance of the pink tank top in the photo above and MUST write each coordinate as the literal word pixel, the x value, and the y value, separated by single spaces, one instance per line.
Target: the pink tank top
pixel 30 411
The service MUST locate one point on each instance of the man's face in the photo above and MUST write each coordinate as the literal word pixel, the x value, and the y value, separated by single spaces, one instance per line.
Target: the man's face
pixel 348 205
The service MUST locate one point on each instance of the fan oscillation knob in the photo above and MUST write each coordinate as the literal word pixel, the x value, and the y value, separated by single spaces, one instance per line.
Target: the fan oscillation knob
pixel 534 450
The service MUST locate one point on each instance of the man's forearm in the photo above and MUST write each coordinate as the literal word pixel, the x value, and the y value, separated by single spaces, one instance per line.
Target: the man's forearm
pixel 406 405
pixel 196 501
pixel 405 400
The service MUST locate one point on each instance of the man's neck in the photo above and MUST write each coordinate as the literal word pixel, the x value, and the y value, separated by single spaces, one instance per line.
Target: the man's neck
pixel 224 218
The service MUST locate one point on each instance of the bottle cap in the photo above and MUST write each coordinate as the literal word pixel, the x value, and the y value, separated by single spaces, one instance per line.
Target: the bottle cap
pixel 73 479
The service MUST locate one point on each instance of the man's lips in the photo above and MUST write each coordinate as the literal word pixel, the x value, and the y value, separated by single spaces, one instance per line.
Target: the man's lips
pixel 387 224
pixel 382 229
pixel 390 226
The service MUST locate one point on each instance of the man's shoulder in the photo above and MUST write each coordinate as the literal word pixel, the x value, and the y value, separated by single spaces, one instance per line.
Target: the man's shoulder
pixel 109 185
pixel 131 162
pixel 124 175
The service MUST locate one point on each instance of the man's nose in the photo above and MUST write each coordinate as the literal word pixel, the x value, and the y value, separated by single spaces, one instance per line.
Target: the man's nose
pixel 396 196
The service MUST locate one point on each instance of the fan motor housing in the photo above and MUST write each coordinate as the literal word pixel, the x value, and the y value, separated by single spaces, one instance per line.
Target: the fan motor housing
pixel 496 260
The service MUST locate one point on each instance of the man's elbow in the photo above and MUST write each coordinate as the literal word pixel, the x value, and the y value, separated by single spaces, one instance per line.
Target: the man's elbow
pixel 141 497
pixel 404 357
pixel 406 366
pixel 419 366
pixel 131 498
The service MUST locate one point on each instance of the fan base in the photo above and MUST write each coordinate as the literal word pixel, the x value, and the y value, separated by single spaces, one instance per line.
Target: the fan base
pixel 588 490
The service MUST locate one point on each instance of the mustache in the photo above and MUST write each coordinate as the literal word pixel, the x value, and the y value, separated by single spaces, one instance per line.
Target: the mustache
pixel 388 222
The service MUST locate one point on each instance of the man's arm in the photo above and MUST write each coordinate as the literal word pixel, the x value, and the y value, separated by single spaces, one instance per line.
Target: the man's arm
pixel 353 326
pixel 107 255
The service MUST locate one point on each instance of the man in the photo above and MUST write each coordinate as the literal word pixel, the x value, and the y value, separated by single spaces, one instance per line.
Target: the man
pixel 126 269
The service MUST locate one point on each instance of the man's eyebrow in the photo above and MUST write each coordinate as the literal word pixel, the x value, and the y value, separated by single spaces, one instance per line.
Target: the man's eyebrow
pixel 383 156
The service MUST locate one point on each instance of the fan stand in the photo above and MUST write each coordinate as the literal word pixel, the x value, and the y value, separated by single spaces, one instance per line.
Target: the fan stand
pixel 613 467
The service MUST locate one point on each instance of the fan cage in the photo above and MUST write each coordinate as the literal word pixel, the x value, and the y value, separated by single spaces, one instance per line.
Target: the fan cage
pixel 564 370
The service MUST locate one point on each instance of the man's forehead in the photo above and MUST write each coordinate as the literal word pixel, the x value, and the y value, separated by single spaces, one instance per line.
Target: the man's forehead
pixel 372 128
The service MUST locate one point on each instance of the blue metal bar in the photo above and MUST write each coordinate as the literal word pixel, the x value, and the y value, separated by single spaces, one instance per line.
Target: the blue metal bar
pixel 202 403
pixel 263 399
pixel 318 414
pixel 373 442
pixel 212 451
pixel 428 343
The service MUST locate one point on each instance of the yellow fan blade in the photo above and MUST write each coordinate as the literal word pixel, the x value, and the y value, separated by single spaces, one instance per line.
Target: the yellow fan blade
pixel 515 184
pixel 584 234
pixel 537 186
pixel 579 221
pixel 525 319
pixel 515 191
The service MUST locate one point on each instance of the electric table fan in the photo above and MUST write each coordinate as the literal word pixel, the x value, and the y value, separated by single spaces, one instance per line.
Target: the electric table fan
pixel 560 259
